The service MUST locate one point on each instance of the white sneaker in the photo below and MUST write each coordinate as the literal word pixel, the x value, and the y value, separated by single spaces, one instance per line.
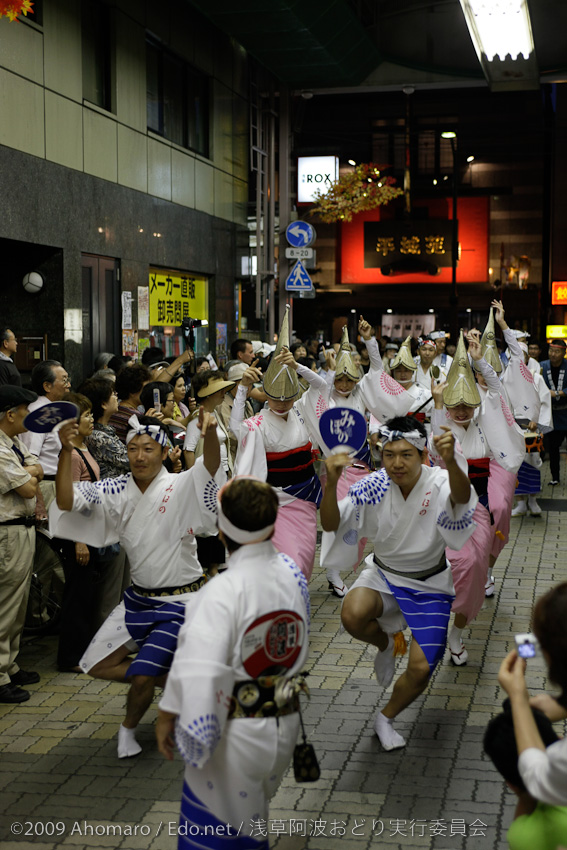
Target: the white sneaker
pixel 385 664
pixel 521 509
pixel 489 587
pixel 535 509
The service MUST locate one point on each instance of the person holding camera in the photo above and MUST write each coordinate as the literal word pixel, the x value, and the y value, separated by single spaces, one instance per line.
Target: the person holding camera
pixel 542 769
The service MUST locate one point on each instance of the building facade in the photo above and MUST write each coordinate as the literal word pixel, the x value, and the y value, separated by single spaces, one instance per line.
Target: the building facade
pixel 124 163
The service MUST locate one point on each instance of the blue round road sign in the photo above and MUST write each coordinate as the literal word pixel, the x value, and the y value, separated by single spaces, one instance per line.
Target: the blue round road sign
pixel 300 234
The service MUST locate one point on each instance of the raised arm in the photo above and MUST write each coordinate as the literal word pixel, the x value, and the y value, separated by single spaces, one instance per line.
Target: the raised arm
pixel 458 480
pixel 64 476
pixel 330 514
pixel 314 379
pixel 251 376
pixel 485 369
pixel 365 330
pixel 211 449
pixel 167 373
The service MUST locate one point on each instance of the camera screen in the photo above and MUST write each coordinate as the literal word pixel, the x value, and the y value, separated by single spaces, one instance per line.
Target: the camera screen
pixel 526 650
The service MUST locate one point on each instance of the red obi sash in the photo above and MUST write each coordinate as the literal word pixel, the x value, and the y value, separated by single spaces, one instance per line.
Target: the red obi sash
pixel 293 460
pixel 479 473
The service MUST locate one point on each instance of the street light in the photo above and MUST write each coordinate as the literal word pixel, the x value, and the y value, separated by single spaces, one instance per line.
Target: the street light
pixel 454 298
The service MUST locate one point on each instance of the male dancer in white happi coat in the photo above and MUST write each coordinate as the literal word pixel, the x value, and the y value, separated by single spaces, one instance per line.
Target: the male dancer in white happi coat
pixel 154 515
pixel 231 697
pixel 411 512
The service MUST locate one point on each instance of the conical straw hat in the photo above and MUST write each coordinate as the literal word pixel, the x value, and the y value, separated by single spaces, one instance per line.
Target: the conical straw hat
pixel 280 382
pixel 403 357
pixel 345 361
pixel 461 386
pixel 488 343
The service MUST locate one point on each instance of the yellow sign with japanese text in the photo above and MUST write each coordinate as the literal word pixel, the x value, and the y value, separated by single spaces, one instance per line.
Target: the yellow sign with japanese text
pixel 175 296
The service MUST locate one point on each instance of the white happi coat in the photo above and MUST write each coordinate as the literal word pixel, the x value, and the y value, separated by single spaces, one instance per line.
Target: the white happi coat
pixel 156 529
pixel 252 618
pixel 410 534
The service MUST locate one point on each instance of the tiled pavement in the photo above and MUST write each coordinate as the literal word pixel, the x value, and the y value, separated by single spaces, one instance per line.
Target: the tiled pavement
pixel 60 778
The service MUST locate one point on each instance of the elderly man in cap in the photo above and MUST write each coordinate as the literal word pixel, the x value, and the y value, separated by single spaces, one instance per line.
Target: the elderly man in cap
pixel 20 474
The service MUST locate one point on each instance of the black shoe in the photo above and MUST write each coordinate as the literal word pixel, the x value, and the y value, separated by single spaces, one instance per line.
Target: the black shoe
pixel 23 677
pixel 554 483
pixel 13 694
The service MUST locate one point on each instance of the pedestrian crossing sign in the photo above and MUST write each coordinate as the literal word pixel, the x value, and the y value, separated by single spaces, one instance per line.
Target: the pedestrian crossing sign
pixel 298 279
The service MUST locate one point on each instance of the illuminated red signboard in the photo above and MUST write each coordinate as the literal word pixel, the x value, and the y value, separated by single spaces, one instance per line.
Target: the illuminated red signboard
pixel 559 292
pixel 359 241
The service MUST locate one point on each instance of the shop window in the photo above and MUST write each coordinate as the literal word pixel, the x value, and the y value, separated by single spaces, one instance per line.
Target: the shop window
pixel 177 100
pixel 97 53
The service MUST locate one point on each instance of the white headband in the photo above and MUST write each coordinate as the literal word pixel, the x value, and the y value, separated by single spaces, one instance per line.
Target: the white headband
pixel 240 535
pixel 153 431
pixel 413 437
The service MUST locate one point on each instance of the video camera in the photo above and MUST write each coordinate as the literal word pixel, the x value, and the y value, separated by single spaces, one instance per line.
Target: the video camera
pixel 188 326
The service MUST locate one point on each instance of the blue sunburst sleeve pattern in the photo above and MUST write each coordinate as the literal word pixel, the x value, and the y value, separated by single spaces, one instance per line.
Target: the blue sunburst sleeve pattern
pixel 460 524
pixel 371 489
pixel 199 739
pixel 210 496
pixel 93 491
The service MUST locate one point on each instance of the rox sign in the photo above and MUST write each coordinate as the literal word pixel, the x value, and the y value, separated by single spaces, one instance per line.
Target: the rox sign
pixel 315 173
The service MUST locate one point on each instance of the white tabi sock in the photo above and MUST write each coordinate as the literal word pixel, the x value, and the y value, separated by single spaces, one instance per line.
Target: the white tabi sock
pixel 455 639
pixel 127 744
pixel 389 738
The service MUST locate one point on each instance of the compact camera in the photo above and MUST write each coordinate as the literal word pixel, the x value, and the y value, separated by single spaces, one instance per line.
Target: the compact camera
pixel 526 644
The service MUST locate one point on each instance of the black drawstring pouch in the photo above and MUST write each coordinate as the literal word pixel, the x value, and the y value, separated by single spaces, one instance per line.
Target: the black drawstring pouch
pixel 305 765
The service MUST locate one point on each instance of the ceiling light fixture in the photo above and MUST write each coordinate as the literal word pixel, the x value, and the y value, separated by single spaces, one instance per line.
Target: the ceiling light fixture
pixel 502 36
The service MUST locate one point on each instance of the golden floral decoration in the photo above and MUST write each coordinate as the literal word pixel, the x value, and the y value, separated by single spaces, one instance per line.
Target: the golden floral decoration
pixel 362 189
